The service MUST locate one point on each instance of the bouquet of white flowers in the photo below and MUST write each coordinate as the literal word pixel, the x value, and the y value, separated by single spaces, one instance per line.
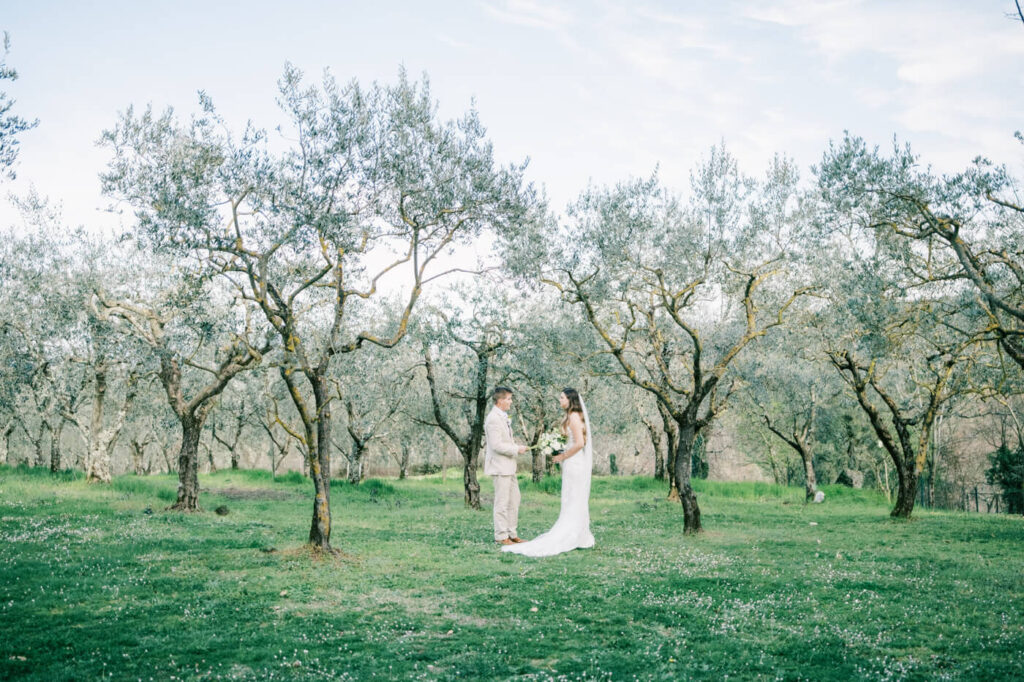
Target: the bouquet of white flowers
pixel 550 444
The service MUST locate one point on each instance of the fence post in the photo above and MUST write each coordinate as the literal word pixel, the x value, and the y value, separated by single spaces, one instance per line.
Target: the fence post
pixel 977 508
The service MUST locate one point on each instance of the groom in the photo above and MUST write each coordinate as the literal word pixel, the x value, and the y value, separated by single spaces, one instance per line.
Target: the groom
pixel 500 465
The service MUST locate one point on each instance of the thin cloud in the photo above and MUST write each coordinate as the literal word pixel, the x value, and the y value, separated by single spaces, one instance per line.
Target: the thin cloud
pixel 686 32
pixel 939 59
pixel 529 13
pixel 931 43
pixel 548 17
pixel 451 42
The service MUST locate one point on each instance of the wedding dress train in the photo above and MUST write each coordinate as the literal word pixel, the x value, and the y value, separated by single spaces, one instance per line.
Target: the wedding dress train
pixel 572 529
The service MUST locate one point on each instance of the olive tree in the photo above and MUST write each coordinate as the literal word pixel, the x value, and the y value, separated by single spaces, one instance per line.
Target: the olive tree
pixel 373 388
pixel 677 291
pixel 785 391
pixel 364 190
pixel 11 126
pixel 65 365
pixel 112 363
pixel 273 419
pixel 36 379
pixel 459 350
pixel 198 344
pixel 933 275
pixel 961 233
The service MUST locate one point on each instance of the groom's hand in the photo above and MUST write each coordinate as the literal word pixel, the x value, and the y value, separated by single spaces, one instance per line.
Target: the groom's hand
pixel 522 449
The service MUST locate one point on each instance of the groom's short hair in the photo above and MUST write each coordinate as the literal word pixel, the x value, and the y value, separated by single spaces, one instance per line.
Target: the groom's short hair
pixel 500 392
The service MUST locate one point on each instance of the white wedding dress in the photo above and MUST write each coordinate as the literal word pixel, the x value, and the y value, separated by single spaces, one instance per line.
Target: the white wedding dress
pixel 572 529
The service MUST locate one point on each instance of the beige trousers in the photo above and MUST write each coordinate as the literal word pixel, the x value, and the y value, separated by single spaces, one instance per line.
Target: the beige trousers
pixel 506 507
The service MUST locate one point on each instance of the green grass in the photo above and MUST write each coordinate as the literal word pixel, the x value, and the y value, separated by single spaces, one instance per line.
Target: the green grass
pixel 91 586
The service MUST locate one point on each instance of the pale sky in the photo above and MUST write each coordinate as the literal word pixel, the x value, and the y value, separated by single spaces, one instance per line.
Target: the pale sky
pixel 590 91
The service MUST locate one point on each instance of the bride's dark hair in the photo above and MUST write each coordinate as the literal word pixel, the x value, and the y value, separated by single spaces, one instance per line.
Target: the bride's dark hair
pixel 575 405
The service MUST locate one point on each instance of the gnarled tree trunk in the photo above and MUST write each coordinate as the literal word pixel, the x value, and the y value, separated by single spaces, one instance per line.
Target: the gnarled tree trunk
pixel 320 465
pixel 138 453
pixel 672 435
pixel 906 494
pixel 55 463
pixel 355 462
pixel 188 464
pixel 471 457
pixel 102 439
pixel 537 459
pixel 810 479
pixel 655 434
pixel 210 460
pixel 403 464
pixel 7 432
pixel 97 467
pixel 691 510
pixel 469 480
pixel 40 453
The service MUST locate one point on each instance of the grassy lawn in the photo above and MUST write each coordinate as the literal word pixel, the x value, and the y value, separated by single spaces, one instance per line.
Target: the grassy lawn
pixel 92 586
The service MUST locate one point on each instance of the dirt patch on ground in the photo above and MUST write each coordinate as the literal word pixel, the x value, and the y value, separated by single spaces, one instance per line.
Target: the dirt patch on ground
pixel 316 554
pixel 252 494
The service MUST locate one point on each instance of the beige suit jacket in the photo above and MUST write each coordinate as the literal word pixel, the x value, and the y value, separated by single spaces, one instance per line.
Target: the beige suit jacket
pixel 500 455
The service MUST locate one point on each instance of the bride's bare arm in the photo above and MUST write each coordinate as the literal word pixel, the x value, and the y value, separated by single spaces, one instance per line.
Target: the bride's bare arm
pixel 576 428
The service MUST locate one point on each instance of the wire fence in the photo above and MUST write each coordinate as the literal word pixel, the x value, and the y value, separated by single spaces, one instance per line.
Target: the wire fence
pixel 980 497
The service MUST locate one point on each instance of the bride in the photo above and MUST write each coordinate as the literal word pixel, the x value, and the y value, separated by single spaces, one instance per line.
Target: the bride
pixel 572 529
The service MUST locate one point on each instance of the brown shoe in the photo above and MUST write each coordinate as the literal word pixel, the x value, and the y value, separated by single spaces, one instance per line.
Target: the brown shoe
pixel 506 541
pixel 517 540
